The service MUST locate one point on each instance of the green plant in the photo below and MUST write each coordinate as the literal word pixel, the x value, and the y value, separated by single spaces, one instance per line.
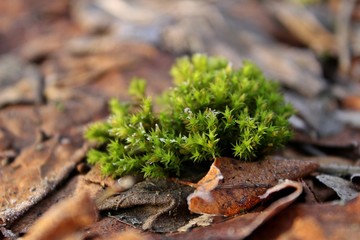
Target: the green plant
pixel 211 111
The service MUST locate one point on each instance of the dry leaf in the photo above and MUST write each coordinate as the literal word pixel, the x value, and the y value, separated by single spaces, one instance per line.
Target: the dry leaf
pixel 37 171
pixel 232 186
pixel 327 221
pixel 75 186
pixel 156 205
pixel 346 190
pixel 309 26
pixel 127 235
pixel 64 219
pixel 242 226
pixel 201 221
pixel 351 102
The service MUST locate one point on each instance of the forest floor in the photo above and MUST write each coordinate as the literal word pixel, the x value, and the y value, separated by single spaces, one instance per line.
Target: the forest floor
pixel 62 61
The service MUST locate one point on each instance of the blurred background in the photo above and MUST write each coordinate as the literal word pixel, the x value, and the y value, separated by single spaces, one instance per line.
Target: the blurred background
pixel 54 51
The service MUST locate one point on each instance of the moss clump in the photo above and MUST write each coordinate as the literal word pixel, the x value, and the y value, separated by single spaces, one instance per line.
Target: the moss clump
pixel 211 111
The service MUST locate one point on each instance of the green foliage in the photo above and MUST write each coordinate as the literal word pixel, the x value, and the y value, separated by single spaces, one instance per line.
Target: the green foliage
pixel 211 111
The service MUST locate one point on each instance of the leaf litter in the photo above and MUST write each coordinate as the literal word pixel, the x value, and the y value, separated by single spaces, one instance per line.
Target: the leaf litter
pixel 85 59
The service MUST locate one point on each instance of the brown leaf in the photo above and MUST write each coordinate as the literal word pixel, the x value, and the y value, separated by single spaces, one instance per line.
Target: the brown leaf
pixel 316 221
pixel 76 186
pixel 36 171
pixel 351 102
pixel 305 30
pixel 232 186
pixel 156 205
pixel 242 226
pixel 64 219
pixel 44 160
pixel 95 176
pixel 346 143
pixel 128 235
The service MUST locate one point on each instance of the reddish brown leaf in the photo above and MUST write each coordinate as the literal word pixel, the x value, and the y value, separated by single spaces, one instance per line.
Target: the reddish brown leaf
pixel 233 186
pixel 242 226
pixel 351 102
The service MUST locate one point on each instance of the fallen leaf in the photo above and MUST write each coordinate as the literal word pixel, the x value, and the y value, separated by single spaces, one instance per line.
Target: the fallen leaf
pixel 20 82
pixel 156 205
pixel 345 143
pixel 346 190
pixel 232 186
pixel 75 186
pixel 289 14
pixel 242 226
pixel 201 221
pixel 327 221
pixel 95 176
pixel 50 143
pixel 128 235
pixel 37 171
pixel 65 219
pixel 351 102
pixel 355 178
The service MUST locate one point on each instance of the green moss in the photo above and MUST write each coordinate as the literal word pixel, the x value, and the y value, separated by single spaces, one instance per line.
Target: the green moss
pixel 211 111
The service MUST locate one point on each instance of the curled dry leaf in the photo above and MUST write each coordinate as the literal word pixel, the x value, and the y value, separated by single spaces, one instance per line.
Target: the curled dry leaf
pixel 64 219
pixel 346 190
pixel 355 179
pixel 233 186
pixel 242 226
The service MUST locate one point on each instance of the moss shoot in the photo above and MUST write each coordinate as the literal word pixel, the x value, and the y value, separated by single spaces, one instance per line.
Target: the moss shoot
pixel 212 110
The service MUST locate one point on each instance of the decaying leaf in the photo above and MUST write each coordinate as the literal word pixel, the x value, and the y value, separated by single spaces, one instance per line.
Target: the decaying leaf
pixel 65 219
pixel 242 226
pixel 50 142
pixel 128 235
pixel 327 221
pixel 95 176
pixel 156 205
pixel 289 14
pixel 233 186
pixel 351 102
pixel 201 221
pixel 346 143
pixel 37 171
pixel 73 187
pixel 355 178
pixel 346 190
